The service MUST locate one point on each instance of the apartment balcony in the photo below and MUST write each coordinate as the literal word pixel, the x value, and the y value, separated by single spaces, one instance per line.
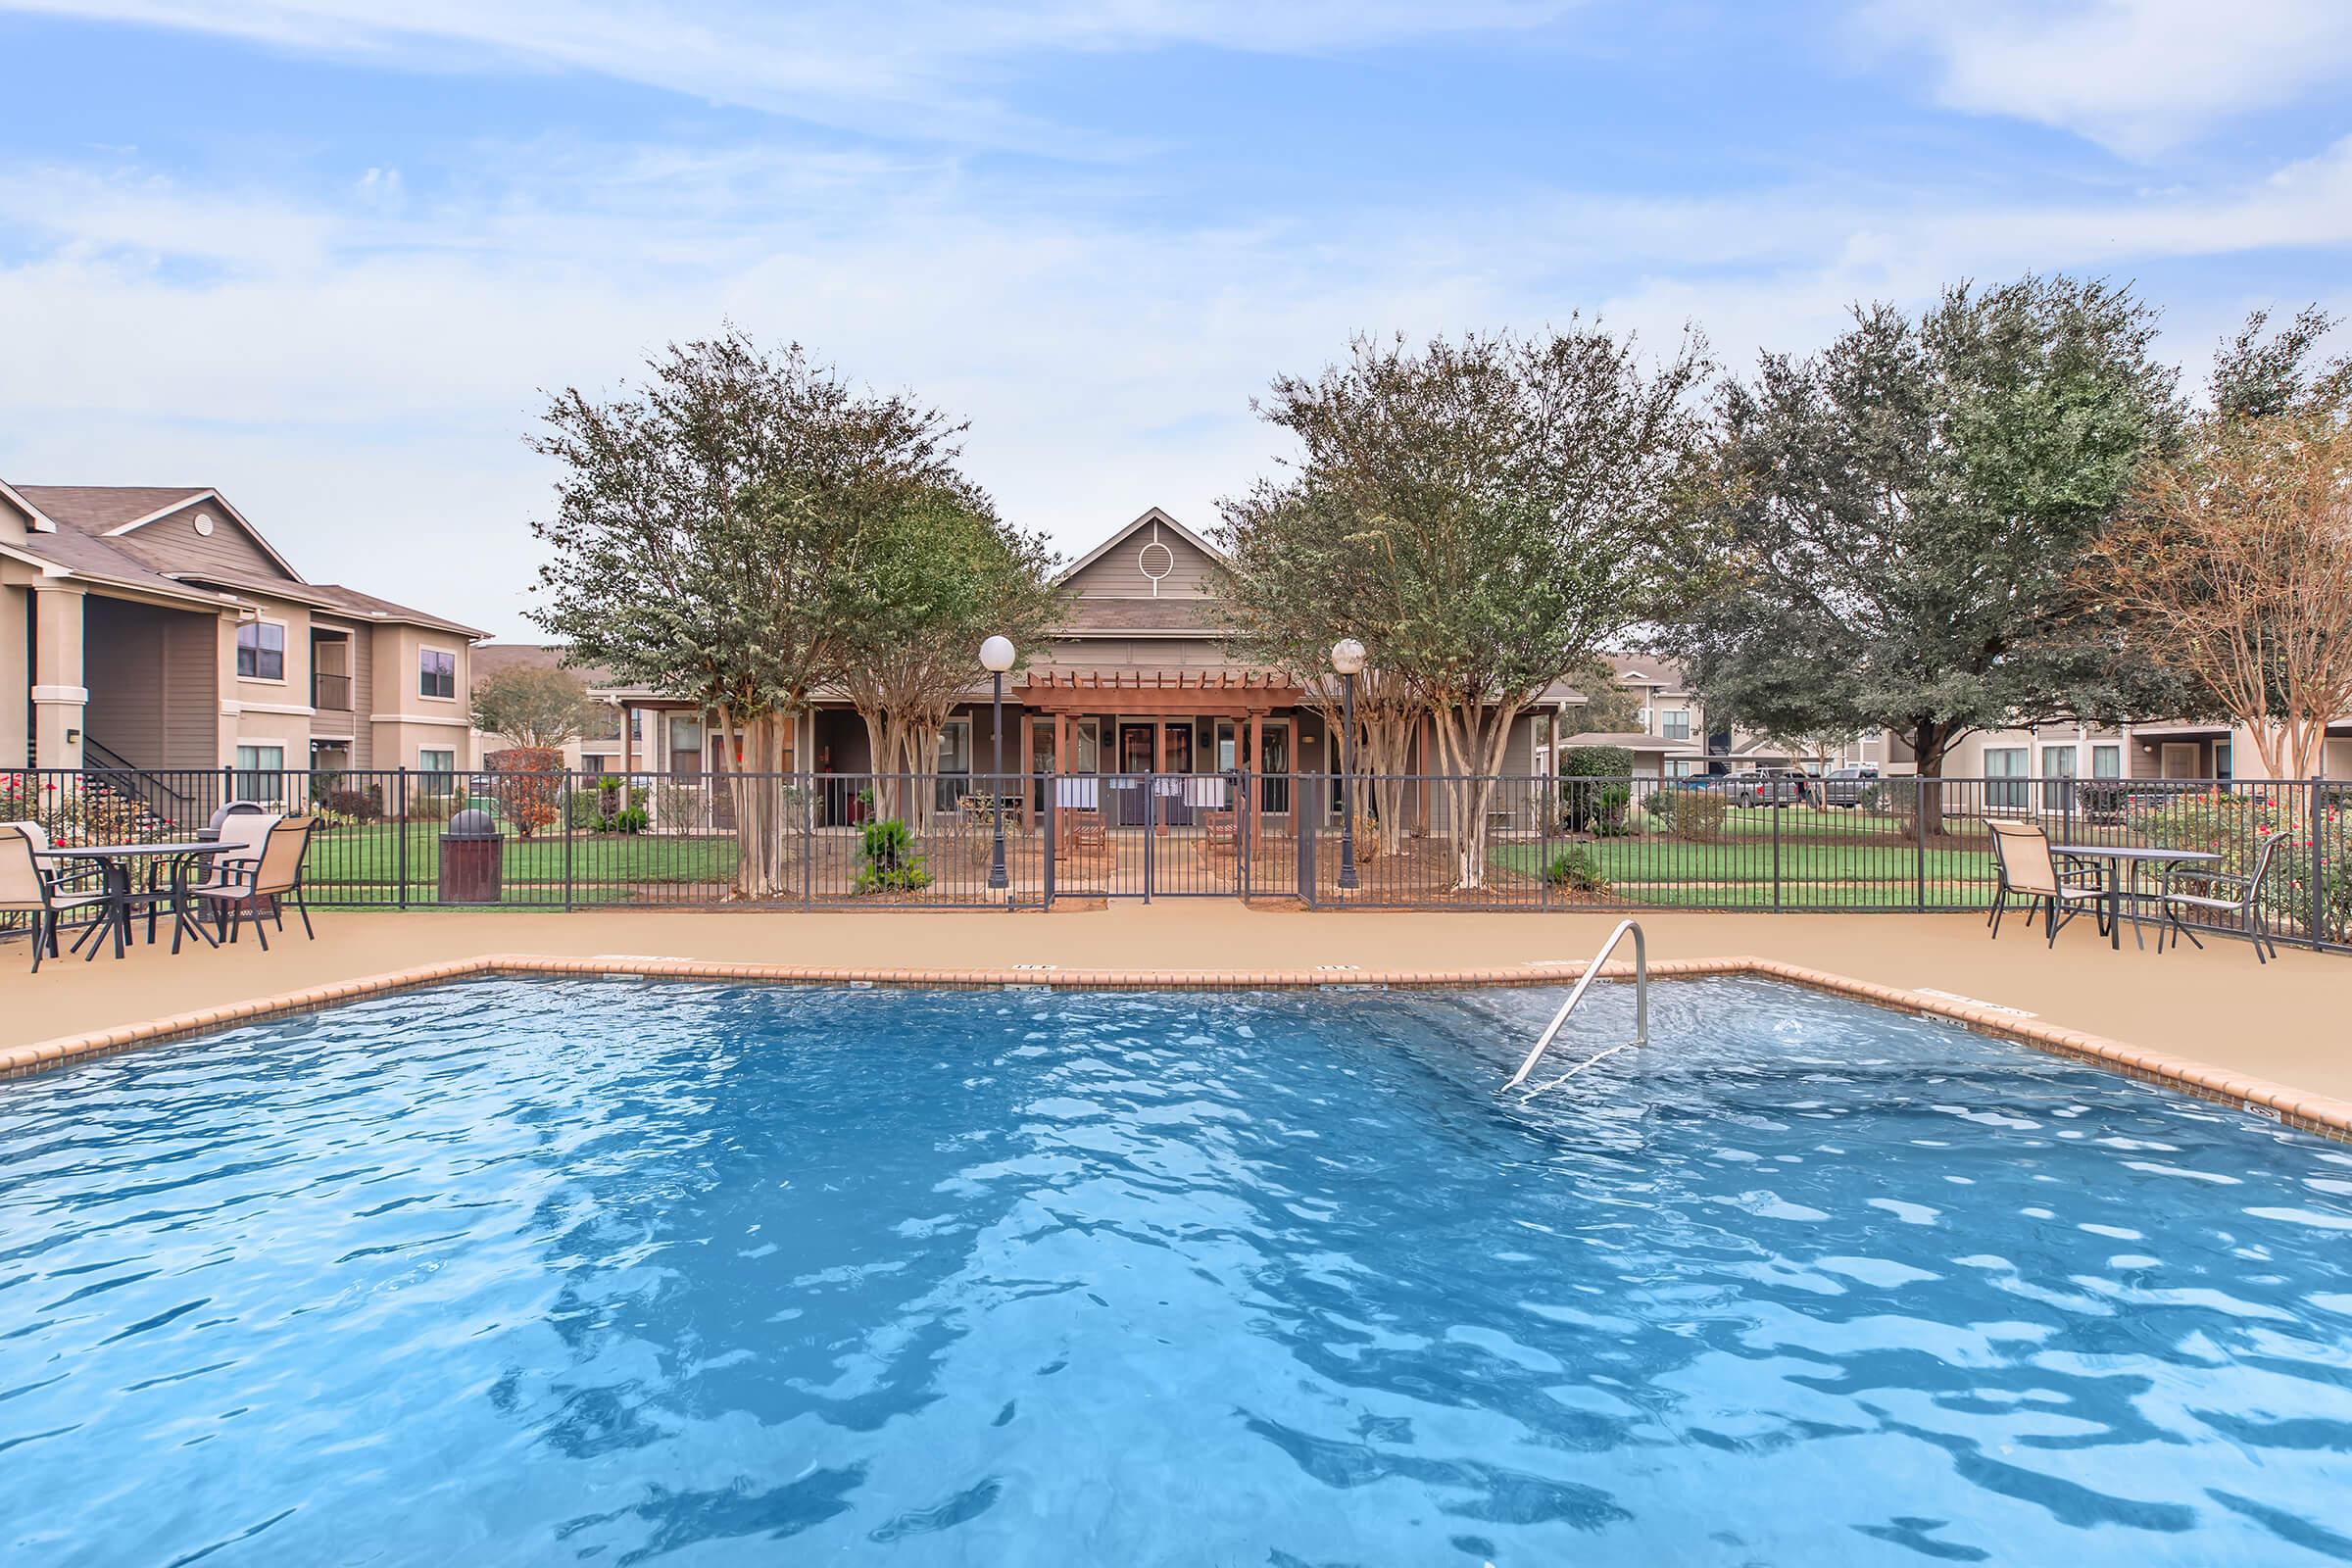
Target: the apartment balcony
pixel 331 692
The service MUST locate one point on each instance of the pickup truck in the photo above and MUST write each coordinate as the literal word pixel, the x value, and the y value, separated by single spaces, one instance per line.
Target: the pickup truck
pixel 1846 786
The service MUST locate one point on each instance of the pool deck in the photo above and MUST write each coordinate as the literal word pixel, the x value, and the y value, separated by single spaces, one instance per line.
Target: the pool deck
pixel 2279 1038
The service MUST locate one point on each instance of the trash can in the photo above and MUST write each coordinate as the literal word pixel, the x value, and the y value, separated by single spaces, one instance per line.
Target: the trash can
pixel 469 859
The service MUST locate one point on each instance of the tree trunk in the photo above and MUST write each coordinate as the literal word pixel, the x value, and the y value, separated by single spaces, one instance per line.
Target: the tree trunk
pixel 1472 735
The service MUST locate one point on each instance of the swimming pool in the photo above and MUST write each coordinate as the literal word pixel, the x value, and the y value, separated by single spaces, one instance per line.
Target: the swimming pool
pixel 533 1271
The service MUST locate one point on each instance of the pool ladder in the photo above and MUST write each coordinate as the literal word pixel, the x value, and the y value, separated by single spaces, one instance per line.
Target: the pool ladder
pixel 1583 983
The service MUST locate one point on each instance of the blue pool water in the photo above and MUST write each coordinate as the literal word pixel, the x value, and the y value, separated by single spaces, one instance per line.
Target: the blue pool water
pixel 604 1273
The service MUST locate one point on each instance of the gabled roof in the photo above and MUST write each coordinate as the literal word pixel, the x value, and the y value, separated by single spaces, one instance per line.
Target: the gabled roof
pixel 333 597
pixel 42 521
pixel 112 510
pixel 1152 515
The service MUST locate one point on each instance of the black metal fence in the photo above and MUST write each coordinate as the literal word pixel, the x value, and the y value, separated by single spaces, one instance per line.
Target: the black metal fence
pixel 409 839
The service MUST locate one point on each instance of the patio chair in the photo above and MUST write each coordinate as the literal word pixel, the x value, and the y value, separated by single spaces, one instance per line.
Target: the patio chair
pixel 2029 871
pixel 64 875
pixel 242 889
pixel 25 888
pixel 2220 893
pixel 1221 835
pixel 1082 834
pixel 248 831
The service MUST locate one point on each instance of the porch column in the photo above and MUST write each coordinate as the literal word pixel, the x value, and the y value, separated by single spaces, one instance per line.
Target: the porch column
pixel 1253 762
pixel 1062 742
pixel 1159 764
pixel 58 693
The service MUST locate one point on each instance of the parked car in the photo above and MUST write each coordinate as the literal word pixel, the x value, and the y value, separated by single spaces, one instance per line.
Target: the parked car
pixel 1846 786
pixel 1772 786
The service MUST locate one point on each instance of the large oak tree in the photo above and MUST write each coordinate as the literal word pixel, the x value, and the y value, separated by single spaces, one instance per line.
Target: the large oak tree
pixel 1892 528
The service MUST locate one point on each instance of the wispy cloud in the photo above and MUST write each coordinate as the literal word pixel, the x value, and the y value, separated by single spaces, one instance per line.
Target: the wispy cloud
pixel 910 66
pixel 360 364
pixel 2138 76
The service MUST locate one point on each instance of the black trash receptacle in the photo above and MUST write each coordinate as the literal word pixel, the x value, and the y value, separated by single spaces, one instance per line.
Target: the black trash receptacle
pixel 469 859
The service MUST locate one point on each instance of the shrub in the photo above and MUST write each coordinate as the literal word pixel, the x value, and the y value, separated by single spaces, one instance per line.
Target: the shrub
pixel 2232 825
pixel 1597 806
pixel 358 806
pixel 530 782
pixel 1698 815
pixel 891 863
pixel 1576 869
pixel 433 807
pixel 1661 806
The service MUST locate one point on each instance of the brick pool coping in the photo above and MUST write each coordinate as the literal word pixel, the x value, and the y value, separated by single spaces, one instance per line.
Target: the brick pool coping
pixel 2306 1112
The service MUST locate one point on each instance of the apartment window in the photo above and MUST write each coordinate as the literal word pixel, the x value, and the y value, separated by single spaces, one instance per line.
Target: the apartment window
pixel 2057 767
pixel 2106 761
pixel 608 723
pixel 262 650
pixel 637 725
pixel 439 766
pixel 1683 766
pixel 436 672
pixel 1676 724
pixel 2220 760
pixel 956 746
pixel 2005 777
pixel 260 772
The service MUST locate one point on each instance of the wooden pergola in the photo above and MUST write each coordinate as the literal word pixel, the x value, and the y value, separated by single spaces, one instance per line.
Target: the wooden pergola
pixel 1168 694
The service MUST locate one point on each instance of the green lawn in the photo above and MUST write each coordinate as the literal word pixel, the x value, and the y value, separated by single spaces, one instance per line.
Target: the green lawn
pixel 363 861
pixel 1840 859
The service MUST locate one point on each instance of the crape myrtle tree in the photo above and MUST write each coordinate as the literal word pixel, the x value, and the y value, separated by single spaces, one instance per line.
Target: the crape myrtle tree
pixel 940 573
pixel 1503 501
pixel 705 521
pixel 533 707
pixel 1293 582
pixel 2232 565
pixel 1890 531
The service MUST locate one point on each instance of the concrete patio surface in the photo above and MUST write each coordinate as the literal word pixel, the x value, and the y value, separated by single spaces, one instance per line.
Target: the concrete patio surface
pixel 2290 1022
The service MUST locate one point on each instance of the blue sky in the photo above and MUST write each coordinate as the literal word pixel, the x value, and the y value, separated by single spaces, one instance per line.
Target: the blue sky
pixel 326 256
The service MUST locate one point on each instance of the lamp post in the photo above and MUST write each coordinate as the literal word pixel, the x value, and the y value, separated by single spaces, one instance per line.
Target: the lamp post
pixel 996 656
pixel 1348 658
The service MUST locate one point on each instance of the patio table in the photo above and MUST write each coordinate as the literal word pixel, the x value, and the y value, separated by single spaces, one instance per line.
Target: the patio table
pixel 115 863
pixel 2118 856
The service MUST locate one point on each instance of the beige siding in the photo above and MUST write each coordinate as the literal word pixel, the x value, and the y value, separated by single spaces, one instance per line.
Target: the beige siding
pixel 1138 653
pixel 153 691
pixel 172 544
pixel 1119 573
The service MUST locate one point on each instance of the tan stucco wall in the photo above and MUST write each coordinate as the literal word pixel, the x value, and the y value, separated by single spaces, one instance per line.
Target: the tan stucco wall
pixel 405 721
pixel 16 677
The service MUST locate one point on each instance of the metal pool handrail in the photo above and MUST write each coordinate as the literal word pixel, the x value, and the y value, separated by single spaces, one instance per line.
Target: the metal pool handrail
pixel 1583 983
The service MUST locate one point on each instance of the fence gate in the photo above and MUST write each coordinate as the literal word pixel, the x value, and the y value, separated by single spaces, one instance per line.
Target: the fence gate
pixel 1152 836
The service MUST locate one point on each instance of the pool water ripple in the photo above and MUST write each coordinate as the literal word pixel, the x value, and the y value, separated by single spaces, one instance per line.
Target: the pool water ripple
pixel 532 1271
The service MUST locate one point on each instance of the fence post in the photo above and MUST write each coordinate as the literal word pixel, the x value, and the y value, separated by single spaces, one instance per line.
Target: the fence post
pixel 1919 850
pixel 809 844
pixel 2319 864
pixel 563 815
pixel 228 783
pixel 399 859
pixel 1543 801
pixel 1053 788
pixel 1777 809
pixel 1301 788
pixel 1150 827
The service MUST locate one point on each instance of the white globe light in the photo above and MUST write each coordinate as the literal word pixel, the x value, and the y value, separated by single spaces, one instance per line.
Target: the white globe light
pixel 996 655
pixel 1348 655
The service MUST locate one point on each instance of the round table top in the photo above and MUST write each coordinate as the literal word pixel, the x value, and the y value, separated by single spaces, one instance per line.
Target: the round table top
pixel 2125 852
